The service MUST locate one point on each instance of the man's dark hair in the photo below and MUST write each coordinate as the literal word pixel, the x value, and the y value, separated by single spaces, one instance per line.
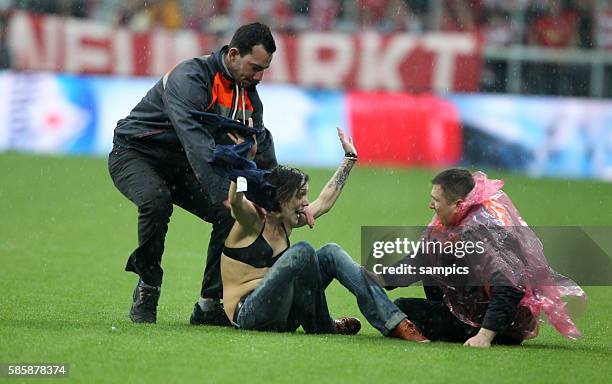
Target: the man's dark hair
pixel 456 183
pixel 287 181
pixel 250 35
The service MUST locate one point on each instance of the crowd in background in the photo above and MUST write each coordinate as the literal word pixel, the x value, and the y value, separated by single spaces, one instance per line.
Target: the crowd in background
pixel 554 23
pixel 584 24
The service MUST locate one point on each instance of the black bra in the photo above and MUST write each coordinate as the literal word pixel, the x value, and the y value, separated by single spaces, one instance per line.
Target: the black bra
pixel 258 254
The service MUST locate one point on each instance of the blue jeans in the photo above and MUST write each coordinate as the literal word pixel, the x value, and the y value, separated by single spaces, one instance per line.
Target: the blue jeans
pixel 293 293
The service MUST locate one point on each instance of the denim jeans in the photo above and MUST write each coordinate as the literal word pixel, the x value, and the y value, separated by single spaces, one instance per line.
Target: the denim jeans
pixel 293 293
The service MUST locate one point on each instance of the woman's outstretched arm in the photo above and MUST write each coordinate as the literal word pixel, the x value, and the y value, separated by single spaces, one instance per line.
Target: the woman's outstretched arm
pixel 330 193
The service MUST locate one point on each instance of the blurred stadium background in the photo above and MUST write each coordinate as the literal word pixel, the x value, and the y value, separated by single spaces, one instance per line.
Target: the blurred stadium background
pixel 417 83
pixel 519 88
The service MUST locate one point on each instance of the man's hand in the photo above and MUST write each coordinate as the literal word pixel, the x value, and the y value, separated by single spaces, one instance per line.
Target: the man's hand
pixel 237 139
pixel 306 218
pixel 482 339
pixel 309 217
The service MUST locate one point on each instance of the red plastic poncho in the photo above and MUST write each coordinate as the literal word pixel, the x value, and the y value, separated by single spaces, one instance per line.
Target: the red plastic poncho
pixel 513 251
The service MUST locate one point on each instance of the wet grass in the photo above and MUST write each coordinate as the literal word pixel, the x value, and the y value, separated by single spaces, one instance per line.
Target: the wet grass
pixel 65 234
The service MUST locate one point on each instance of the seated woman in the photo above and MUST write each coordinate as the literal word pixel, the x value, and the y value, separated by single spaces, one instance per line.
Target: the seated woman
pixel 269 285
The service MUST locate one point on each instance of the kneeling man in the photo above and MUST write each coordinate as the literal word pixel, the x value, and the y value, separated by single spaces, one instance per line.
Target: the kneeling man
pixel 496 291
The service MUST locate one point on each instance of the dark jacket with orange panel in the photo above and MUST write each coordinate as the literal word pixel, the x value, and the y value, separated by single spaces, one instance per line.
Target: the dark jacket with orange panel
pixel 163 125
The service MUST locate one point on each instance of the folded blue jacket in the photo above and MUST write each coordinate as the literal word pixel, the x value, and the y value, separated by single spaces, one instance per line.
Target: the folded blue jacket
pixel 224 124
pixel 230 161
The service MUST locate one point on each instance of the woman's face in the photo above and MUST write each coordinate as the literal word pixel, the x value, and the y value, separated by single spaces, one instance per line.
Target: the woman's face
pixel 294 207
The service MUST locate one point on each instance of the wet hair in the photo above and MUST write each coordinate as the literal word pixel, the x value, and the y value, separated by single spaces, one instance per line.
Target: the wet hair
pixel 456 183
pixel 250 35
pixel 288 182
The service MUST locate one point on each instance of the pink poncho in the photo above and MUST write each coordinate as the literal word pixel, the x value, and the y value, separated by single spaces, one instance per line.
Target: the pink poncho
pixel 513 250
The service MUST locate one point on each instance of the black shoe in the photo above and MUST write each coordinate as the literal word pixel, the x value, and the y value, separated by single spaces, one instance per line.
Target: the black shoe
pixel 144 308
pixel 347 326
pixel 216 316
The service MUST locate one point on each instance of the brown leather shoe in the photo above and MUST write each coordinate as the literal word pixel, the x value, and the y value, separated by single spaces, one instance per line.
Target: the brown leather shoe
pixel 408 331
pixel 347 326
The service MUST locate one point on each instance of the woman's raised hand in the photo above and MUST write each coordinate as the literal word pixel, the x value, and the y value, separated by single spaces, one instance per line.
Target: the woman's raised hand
pixel 347 145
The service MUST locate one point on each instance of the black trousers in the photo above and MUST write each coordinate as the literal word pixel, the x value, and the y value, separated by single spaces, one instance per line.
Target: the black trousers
pixel 437 322
pixel 154 186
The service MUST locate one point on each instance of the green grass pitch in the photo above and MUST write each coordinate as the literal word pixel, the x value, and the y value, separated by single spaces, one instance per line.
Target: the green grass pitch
pixel 66 231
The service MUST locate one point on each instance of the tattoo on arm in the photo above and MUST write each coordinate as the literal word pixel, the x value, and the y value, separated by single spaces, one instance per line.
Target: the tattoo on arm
pixel 341 175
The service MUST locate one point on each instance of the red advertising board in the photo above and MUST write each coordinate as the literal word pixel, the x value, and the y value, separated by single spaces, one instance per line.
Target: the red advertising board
pixel 440 62
pixel 398 129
